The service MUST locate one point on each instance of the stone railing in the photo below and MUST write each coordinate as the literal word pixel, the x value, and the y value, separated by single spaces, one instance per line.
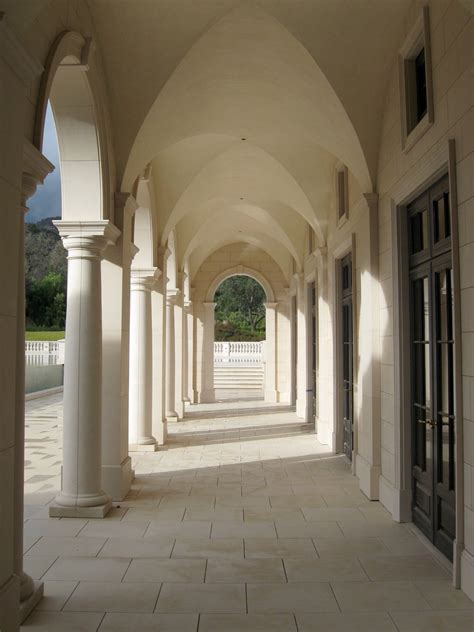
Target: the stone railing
pixel 42 346
pixel 44 352
pixel 238 353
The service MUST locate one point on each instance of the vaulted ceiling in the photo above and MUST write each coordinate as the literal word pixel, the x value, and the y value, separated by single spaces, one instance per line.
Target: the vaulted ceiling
pixel 243 109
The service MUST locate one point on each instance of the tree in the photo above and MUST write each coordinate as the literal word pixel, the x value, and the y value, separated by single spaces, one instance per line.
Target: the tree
pixel 240 309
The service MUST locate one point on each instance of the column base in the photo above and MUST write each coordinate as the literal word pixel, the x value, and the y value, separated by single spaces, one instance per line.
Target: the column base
pixel 28 605
pixel 208 396
pixel 467 574
pixel 142 447
pixel 117 479
pixel 368 476
pixel 9 598
pixel 271 396
pixel 57 510
pixel 171 416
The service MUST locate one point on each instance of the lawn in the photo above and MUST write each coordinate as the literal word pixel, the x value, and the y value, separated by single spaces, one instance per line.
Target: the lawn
pixel 44 335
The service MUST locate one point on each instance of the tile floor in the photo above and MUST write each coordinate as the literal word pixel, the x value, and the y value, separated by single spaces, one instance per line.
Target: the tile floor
pixel 243 523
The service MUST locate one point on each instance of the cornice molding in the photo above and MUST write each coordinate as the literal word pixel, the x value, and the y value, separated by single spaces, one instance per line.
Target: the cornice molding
pixel 36 168
pixel 15 56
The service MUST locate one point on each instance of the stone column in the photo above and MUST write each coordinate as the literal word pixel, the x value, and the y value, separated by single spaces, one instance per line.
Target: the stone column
pixel 36 168
pixel 185 352
pixel 301 397
pixel 81 494
pixel 141 367
pixel 170 354
pixel 117 473
pixel 207 382
pixel 178 355
pixel 189 325
pixel 271 393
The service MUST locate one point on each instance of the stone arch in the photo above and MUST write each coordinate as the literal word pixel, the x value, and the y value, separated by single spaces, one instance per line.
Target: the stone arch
pixel 73 83
pixel 240 271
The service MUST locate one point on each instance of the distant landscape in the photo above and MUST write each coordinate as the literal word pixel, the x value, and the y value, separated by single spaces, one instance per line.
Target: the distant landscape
pixel 45 278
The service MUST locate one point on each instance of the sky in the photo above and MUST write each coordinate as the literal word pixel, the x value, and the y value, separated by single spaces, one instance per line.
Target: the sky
pixel 47 200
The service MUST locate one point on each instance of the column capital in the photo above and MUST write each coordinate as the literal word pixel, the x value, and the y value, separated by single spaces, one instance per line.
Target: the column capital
pixel 372 200
pixel 87 238
pixel 188 305
pixel 124 205
pixel 172 295
pixel 35 169
pixel 269 305
pixel 210 306
pixel 144 278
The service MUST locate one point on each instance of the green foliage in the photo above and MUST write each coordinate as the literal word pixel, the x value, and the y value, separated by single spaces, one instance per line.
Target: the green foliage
pixel 240 310
pixel 45 277
pixel 46 301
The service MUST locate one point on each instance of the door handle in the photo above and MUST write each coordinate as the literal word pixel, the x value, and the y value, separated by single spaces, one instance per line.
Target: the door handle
pixel 427 422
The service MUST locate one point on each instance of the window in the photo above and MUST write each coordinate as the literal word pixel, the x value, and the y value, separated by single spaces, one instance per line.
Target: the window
pixel 342 194
pixel 415 83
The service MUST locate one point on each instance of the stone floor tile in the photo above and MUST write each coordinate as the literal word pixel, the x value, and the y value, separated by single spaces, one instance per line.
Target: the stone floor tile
pixel 405 545
pixel 243 502
pixel 113 597
pixel 189 529
pixel 83 547
pixel 297 501
pixel 88 569
pixel 282 547
pixel 113 529
pixel 359 529
pixel 327 569
pixel 308 530
pixel 149 623
pixel 36 566
pixel 247 623
pixel 394 567
pixel 53 527
pixel 56 593
pixel 207 548
pixel 153 514
pixel 174 570
pixel 62 621
pixel 334 514
pixel 439 621
pixel 219 513
pixel 290 598
pixel 244 571
pixel 278 515
pixel 349 546
pixel 227 529
pixel 137 547
pixel 215 598
pixel 442 596
pixel 378 596
pixel 354 622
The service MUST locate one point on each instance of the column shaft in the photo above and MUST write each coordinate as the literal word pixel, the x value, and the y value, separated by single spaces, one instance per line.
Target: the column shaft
pixel 271 394
pixel 170 359
pixel 141 365
pixel 81 493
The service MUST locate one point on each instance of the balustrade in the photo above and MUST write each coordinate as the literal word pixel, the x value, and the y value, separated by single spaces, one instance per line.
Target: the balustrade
pixel 246 352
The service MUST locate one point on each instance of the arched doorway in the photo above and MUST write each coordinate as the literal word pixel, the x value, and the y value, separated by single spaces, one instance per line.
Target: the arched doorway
pixel 239 339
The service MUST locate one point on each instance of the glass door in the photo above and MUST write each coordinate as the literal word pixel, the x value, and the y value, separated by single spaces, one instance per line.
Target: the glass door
pixel 347 356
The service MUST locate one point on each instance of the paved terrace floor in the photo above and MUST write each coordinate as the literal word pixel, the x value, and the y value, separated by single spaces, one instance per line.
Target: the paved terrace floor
pixel 243 523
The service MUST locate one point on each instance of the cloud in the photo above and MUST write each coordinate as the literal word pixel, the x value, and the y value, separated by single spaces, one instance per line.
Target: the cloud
pixel 47 200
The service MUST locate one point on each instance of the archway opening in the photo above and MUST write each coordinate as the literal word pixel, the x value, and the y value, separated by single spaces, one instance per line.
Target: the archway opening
pixel 45 276
pixel 239 338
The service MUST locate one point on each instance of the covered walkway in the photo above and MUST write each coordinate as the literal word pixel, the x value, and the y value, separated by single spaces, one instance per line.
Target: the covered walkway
pixel 240 523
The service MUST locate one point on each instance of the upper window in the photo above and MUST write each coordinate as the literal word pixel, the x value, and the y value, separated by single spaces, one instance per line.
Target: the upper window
pixel 415 83
pixel 342 194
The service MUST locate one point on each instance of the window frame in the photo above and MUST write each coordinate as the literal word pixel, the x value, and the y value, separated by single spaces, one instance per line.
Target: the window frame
pixel 417 40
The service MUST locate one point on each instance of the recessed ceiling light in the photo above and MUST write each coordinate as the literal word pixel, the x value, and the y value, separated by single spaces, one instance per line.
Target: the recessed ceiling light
pixel 241 198
pixel 243 139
